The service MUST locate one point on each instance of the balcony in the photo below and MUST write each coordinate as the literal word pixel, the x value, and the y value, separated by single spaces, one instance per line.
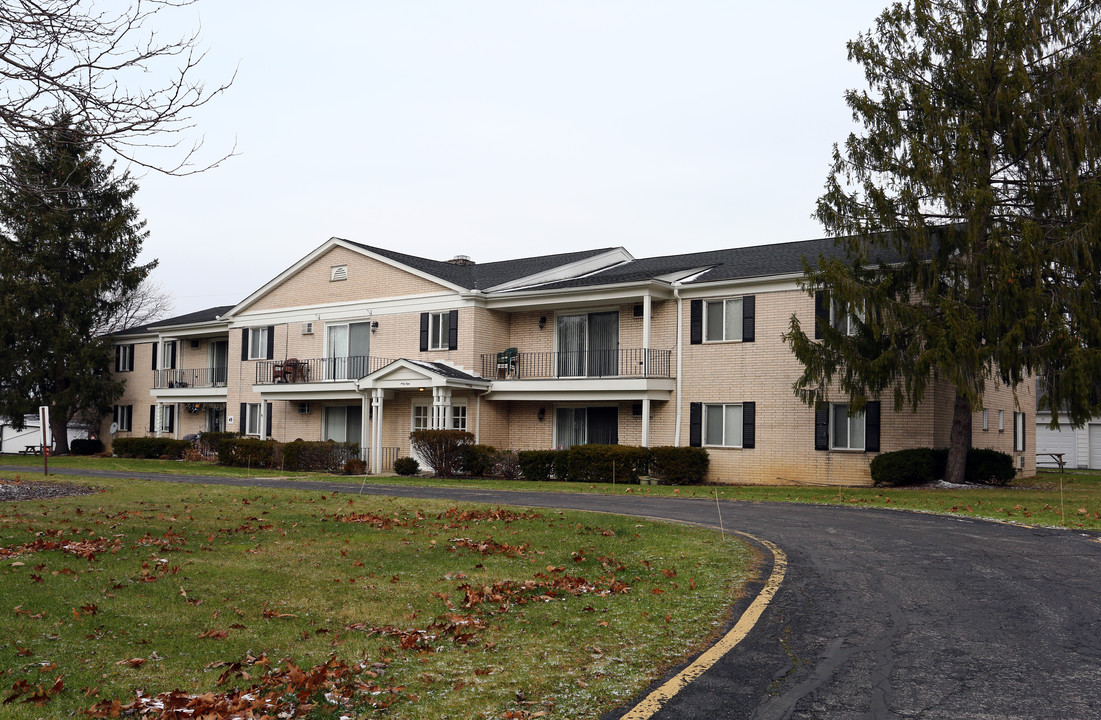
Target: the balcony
pixel 190 378
pixel 317 370
pixel 574 364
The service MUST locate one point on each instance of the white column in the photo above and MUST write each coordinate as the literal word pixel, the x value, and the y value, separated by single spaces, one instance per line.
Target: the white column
pixel 364 425
pixel 645 347
pixel 158 420
pixel 646 422
pixel 376 427
pixel 263 420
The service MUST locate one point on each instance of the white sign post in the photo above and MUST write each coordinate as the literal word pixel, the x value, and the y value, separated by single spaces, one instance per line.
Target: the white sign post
pixel 44 419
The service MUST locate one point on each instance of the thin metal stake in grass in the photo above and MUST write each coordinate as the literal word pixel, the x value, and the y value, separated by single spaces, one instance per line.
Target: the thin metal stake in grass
pixel 1062 510
pixel 722 533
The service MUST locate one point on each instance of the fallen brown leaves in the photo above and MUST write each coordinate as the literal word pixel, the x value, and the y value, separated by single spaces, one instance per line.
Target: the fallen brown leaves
pixel 285 692
pixel 459 628
pixel 38 696
pixel 87 549
pixel 488 547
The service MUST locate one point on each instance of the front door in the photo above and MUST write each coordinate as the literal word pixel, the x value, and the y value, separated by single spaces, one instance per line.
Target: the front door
pixel 349 348
pixel 588 345
pixel 216 419
pixel 422 418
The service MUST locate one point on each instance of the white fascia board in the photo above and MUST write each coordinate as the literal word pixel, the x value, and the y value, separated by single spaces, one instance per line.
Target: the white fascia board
pixel 309 391
pixel 742 286
pixel 190 395
pixel 357 309
pixel 583 389
pixel 210 329
pixel 579 268
pixel 621 292
pixel 136 339
pixel 318 252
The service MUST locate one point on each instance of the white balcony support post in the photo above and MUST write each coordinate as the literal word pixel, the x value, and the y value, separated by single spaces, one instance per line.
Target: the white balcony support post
pixel 263 415
pixel 645 347
pixel 646 421
pixel 158 420
pixel 441 407
pixel 365 427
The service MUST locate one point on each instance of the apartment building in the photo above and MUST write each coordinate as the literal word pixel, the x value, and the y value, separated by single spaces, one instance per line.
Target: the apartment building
pixel 365 344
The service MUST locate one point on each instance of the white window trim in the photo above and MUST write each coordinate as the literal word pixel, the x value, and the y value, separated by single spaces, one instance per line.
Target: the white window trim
pixel 738 433
pixel 985 419
pixel 261 332
pixel 125 415
pixel 444 319
pixel 741 323
pixel 833 431
pixel 126 358
pixel 836 308
pixel 451 416
pixel 1001 421
pixel 245 420
pixel 1019 434
pixel 165 356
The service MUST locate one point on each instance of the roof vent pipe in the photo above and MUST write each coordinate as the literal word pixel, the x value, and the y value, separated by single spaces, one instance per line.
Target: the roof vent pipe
pixel 461 260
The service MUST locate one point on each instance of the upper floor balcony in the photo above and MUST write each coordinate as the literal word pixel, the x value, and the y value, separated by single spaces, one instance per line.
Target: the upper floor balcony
pixel 578 364
pixel 318 370
pixel 210 377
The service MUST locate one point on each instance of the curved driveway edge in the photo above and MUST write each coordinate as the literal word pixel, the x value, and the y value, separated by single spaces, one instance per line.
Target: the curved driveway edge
pixel 882 614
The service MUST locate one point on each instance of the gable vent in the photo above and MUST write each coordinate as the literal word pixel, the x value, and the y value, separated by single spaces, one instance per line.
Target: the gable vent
pixel 338 272
pixel 307 328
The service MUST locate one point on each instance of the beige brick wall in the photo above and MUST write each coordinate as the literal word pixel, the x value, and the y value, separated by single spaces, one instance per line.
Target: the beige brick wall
pixel 367 278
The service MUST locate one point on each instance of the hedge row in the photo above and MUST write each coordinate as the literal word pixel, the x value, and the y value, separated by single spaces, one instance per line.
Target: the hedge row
pixel 306 456
pixel 81 446
pixel 149 447
pixel 597 463
pixel 921 465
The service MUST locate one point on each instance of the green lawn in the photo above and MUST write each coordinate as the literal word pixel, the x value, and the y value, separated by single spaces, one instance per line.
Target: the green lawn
pixel 174 467
pixel 347 604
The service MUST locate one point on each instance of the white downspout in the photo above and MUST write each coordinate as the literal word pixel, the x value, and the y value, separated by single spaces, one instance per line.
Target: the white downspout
pixel 478 415
pixel 680 359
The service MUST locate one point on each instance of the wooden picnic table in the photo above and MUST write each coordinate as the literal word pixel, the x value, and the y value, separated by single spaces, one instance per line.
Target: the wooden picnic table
pixel 1057 457
pixel 31 450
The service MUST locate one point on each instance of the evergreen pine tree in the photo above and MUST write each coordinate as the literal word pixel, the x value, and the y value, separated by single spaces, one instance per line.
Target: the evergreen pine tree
pixel 969 211
pixel 70 238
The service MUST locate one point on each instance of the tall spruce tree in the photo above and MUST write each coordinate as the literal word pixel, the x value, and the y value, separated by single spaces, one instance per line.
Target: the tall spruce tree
pixel 70 238
pixel 968 209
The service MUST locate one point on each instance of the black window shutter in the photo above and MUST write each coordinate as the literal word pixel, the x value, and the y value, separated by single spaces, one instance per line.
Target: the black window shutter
pixel 822 427
pixel 1014 431
pixel 749 318
pixel 453 330
pixel 242 420
pixel 267 421
pixel 871 426
pixel 171 412
pixel 244 343
pixel 154 356
pixel 695 424
pixel 424 332
pixel 152 418
pixel 696 323
pixel 271 342
pixel 118 359
pixel 821 312
pixel 1024 424
pixel 749 424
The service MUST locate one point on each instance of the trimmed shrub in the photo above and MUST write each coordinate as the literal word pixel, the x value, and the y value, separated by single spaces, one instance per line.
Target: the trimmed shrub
pixel 537 465
pixel 913 466
pixel 478 460
pixel 406 466
pixel 318 456
pixel 149 447
pixel 355 466
pixel 250 452
pixel 208 441
pixel 506 465
pixel 679 465
pixel 442 450
pixel 989 467
pixel 85 447
pixel 600 463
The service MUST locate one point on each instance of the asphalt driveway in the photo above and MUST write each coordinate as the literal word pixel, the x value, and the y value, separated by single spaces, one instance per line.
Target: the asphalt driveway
pixel 882 614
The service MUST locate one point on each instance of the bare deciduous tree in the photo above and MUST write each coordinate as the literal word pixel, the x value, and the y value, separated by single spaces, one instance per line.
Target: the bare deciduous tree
pixel 147 303
pixel 96 66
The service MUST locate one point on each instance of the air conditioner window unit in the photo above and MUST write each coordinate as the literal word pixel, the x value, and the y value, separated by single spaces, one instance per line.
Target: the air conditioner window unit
pixel 307 328
pixel 303 408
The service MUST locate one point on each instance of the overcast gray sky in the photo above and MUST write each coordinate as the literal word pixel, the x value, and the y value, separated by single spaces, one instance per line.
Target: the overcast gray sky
pixel 499 129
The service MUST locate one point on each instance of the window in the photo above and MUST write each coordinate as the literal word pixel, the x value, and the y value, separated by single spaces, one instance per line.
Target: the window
pixel 1018 432
pixel 843 318
pixel 124 358
pixel 257 343
pixel 437 331
pixel 343 423
pixel 168 355
pixel 168 416
pixel 124 416
pixel 458 417
pixel 846 428
pixel 581 426
pixel 348 349
pixel 722 425
pixel 252 419
pixel 723 320
pixel 985 419
pixel 1001 421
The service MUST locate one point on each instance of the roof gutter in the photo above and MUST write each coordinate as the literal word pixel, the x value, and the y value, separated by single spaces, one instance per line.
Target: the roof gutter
pixel 680 362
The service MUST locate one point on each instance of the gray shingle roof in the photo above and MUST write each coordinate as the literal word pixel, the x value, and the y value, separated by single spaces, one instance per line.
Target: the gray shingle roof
pixel 199 316
pixel 480 276
pixel 447 370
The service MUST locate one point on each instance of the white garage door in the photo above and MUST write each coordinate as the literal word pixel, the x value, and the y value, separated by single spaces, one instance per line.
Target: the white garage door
pixel 1055 441
pixel 1095 447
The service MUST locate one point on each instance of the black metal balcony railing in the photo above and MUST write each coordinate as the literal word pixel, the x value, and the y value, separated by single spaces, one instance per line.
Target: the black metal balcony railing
pixel 636 362
pixel 190 378
pixel 312 370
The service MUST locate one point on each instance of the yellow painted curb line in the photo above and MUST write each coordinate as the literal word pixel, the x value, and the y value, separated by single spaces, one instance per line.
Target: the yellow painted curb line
pixel 653 702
